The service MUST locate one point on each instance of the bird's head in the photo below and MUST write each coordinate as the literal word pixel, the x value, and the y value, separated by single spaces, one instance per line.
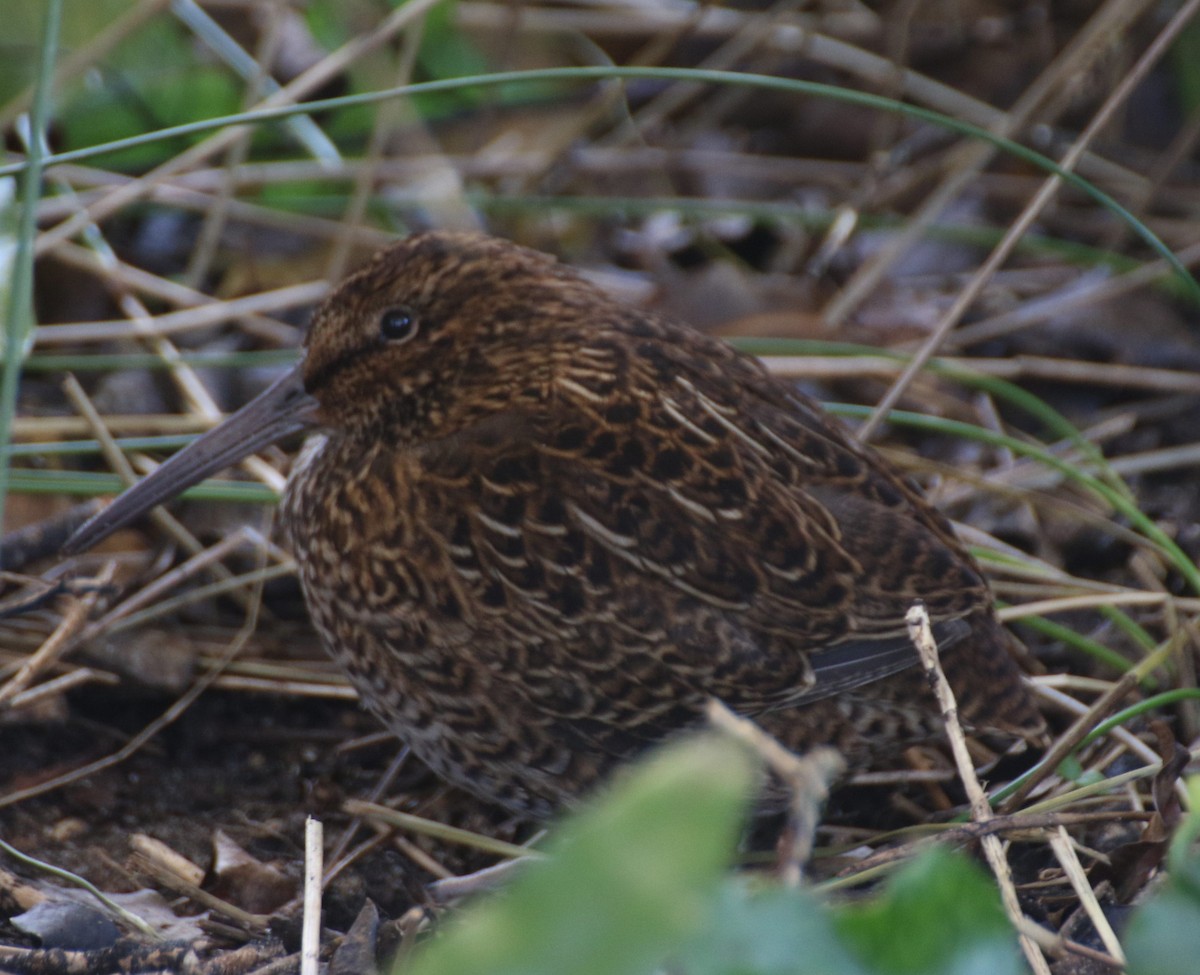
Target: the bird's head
pixel 436 332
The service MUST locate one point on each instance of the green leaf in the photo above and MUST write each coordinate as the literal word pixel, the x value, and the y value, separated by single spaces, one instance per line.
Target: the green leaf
pixel 1164 935
pixel 629 878
pixel 21 37
pixel 447 53
pixel 1185 67
pixel 775 932
pixel 940 914
pixel 150 81
pixel 1071 768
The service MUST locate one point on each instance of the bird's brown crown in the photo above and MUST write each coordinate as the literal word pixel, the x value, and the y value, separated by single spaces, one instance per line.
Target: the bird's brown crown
pixel 440 329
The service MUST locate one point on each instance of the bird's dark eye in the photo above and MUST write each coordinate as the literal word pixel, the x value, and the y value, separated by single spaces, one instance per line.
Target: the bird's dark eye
pixel 397 325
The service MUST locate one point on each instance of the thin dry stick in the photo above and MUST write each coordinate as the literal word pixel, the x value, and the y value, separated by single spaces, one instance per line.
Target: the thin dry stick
pixel 1082 50
pixel 38 428
pixel 255 923
pixel 127 280
pixel 807 779
pixel 1022 825
pixel 921 634
pixel 1067 742
pixel 305 225
pixel 1122 736
pixel 170 859
pixel 1013 235
pixel 1158 180
pixel 440 831
pixel 1060 843
pixel 376 794
pixel 1104 789
pixel 1097 600
pixel 124 278
pixel 389 117
pixel 167 581
pixel 1151 378
pixel 187 381
pixel 234 586
pixel 60 685
pixel 750 35
pixel 354 854
pixel 169 716
pixel 58 642
pixel 1058 946
pixel 525 162
pixel 310 933
pixel 1031 313
pixel 658 45
pixel 187 319
pixel 208 240
pixel 1075 682
pixel 793 37
pixel 427 863
pixel 286 688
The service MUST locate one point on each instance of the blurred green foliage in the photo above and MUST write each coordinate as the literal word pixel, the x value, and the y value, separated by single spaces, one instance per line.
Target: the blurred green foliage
pixel 1185 68
pixel 637 884
pixel 1164 935
pixel 628 879
pixel 21 37
pixel 150 81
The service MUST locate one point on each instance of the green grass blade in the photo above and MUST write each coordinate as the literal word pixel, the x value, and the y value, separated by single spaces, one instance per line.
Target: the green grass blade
pixel 19 311
pixel 516 79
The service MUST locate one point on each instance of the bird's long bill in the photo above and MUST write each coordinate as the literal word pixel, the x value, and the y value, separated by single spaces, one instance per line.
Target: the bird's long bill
pixel 282 408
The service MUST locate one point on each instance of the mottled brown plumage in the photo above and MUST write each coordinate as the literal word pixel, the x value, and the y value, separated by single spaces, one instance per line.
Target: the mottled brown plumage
pixel 540 528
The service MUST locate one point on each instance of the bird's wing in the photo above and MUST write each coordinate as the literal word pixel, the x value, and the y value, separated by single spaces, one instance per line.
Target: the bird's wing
pixel 749 542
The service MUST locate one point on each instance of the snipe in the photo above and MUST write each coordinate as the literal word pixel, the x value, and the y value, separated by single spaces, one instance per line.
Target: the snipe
pixel 539 528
